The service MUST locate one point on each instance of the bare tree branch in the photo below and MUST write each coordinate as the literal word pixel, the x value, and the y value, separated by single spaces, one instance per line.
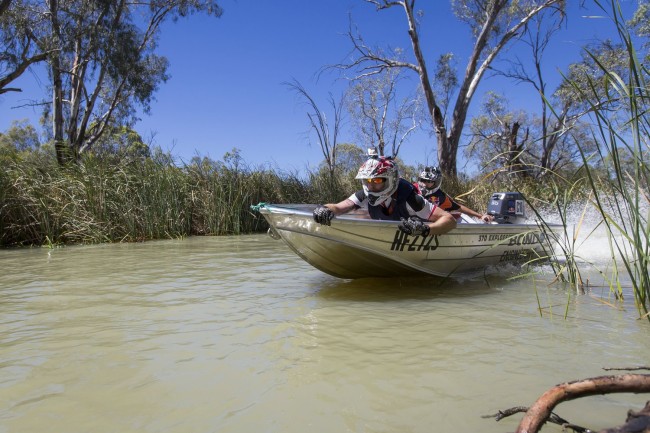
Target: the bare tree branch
pixel 539 412
pixel 25 63
pixel 368 62
pixel 382 119
pixel 327 140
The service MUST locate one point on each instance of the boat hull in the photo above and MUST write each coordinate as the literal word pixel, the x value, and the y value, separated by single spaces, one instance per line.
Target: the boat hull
pixel 354 246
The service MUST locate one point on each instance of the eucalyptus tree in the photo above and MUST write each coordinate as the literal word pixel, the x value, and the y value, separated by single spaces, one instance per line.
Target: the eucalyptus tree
pixel 514 142
pixel 20 136
pixel 494 24
pixel 326 131
pixel 102 63
pixel 23 40
pixel 123 143
pixel 533 143
pixel 496 144
pixel 587 83
pixel 379 116
pixel 349 158
pixel 550 129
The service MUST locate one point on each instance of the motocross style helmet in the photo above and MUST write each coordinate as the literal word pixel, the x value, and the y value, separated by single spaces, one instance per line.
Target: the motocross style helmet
pixel 430 174
pixel 379 177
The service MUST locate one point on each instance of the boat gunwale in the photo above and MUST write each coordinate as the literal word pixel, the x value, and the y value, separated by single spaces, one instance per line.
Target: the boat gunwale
pixel 362 219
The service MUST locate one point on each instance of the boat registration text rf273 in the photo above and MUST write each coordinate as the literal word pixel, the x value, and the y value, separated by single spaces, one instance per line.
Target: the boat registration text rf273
pixel 403 241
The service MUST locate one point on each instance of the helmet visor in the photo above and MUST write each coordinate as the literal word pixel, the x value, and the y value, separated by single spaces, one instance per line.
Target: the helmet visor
pixel 375 184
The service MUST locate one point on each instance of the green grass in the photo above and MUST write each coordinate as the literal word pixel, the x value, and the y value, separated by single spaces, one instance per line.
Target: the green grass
pixel 112 200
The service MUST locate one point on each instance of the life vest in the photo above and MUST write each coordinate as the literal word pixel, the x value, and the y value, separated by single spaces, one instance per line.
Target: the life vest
pixel 397 208
pixel 442 200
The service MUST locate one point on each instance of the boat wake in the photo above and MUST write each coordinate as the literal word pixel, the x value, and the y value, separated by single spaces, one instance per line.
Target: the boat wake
pixel 587 240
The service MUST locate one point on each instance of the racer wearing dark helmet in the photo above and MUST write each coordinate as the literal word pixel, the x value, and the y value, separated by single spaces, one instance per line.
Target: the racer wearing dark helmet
pixel 428 185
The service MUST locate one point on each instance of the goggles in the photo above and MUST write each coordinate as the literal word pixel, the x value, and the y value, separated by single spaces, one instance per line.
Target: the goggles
pixel 375 180
pixel 425 180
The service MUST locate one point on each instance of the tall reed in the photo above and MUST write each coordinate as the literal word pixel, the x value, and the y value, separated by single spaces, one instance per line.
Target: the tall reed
pixel 108 198
pixel 622 196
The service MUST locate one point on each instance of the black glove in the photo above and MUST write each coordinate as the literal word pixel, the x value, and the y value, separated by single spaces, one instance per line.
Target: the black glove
pixel 323 215
pixel 414 226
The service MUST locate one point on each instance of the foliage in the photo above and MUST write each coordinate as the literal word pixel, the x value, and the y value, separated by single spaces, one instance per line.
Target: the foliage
pixel 100 57
pixel 122 142
pixel 20 136
pixel 22 40
pixel 115 197
pixel 118 196
pixel 592 74
pixel 617 103
pixel 349 157
pixel 493 24
pixel 379 117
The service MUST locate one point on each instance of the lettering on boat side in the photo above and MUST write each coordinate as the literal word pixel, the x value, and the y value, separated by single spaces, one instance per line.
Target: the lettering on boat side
pixel 522 239
pixel 490 238
pixel 516 255
pixel 525 239
pixel 416 243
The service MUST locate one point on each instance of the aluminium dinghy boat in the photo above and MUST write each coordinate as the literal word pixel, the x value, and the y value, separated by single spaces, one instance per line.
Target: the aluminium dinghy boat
pixel 355 246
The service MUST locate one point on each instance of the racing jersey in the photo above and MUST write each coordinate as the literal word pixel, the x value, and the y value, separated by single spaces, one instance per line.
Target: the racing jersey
pixel 404 202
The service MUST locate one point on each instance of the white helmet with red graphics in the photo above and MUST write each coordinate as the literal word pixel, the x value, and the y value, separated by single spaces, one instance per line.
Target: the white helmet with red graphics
pixel 380 178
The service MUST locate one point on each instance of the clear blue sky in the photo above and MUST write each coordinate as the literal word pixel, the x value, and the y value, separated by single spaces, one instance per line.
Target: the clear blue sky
pixel 226 73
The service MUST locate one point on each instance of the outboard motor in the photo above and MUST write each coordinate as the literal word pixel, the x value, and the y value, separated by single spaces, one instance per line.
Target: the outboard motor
pixel 507 208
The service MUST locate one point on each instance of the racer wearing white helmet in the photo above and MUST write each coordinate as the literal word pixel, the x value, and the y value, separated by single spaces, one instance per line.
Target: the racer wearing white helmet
pixel 379 179
pixel 388 197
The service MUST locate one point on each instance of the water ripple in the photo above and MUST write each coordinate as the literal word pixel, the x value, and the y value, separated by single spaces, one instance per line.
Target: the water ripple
pixel 237 334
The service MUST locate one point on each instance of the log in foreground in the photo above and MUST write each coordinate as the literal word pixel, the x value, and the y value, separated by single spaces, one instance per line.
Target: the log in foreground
pixel 540 411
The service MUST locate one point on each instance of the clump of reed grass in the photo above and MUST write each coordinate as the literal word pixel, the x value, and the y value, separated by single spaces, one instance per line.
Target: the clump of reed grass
pixel 561 245
pixel 621 195
pixel 108 198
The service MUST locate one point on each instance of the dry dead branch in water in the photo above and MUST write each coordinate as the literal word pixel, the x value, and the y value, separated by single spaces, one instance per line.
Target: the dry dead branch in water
pixel 541 410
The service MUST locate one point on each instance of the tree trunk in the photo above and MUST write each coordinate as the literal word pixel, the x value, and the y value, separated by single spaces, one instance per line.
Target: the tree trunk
pixel 62 150
pixel 446 154
pixel 516 164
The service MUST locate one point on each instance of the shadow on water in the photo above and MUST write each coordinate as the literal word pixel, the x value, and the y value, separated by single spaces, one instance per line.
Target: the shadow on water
pixel 416 288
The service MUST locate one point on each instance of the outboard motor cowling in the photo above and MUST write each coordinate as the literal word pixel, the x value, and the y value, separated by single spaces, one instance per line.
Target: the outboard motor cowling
pixel 507 208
